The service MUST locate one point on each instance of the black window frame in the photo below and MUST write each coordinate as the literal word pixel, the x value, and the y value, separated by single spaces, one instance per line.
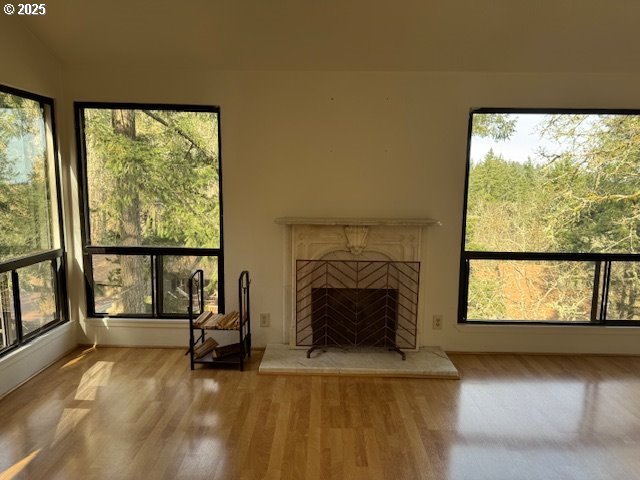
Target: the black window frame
pixel 55 256
pixel 602 261
pixel 156 253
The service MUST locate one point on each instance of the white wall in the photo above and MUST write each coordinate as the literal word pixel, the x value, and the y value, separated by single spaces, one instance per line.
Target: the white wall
pixel 359 144
pixel 26 64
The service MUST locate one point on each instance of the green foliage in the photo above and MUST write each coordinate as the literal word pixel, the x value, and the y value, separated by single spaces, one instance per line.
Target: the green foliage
pixel 486 298
pixel 498 126
pixel 153 180
pixel 598 179
pixel 24 203
pixel 504 206
pixel 170 168
pixel 583 197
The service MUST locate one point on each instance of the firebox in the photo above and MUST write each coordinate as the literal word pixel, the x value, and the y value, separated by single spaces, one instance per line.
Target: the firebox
pixel 356 303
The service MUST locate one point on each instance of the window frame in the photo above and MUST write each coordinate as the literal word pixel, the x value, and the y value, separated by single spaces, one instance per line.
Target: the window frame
pixel 55 256
pixel 156 253
pixel 602 261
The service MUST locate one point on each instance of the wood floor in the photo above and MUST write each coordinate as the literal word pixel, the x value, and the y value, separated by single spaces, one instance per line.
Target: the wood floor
pixel 142 414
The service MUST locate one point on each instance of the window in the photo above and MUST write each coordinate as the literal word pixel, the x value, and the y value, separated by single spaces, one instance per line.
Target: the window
pixel 152 207
pixel 552 218
pixel 31 241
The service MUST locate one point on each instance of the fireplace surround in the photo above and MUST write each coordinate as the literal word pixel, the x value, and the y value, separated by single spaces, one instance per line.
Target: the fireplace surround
pixel 348 240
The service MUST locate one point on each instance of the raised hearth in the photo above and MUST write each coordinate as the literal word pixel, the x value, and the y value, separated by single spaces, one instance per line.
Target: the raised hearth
pixel 427 362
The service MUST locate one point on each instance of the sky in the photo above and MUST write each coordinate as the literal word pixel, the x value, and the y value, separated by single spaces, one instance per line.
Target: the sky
pixel 523 144
pixel 23 150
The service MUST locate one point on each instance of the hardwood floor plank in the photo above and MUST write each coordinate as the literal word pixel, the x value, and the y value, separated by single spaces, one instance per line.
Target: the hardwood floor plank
pixel 116 413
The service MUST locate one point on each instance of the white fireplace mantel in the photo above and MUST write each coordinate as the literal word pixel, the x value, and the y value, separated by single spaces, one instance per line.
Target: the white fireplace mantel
pixel 413 222
pixel 335 238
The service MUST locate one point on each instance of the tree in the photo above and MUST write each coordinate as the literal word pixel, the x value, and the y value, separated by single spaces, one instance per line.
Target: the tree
pixel 579 193
pixel 127 197
pixel 25 210
pixel 505 207
pixel 498 126
pixel 599 173
pixel 153 180
pixel 24 205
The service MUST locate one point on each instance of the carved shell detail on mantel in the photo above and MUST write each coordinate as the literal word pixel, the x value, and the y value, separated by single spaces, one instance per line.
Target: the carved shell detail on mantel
pixel 356 238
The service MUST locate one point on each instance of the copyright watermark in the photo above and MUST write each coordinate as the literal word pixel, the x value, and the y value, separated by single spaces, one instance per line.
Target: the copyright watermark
pixel 25 8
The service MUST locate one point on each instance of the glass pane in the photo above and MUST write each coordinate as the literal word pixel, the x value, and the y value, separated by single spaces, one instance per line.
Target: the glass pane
pixel 152 177
pixel 624 291
pixel 122 284
pixel 553 183
pixel 25 209
pixel 37 296
pixel 177 270
pixel 515 290
pixel 7 312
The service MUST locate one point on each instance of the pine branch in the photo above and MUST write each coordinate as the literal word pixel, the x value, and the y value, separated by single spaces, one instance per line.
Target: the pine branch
pixel 179 131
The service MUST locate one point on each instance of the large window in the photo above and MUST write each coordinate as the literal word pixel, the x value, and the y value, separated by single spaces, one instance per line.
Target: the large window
pixel 552 218
pixel 31 241
pixel 151 200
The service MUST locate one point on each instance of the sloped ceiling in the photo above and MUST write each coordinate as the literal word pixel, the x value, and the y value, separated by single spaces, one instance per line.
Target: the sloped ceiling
pixel 394 35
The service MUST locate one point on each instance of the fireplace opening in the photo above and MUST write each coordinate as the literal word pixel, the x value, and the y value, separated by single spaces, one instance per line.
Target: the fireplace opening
pixel 356 303
pixel 354 316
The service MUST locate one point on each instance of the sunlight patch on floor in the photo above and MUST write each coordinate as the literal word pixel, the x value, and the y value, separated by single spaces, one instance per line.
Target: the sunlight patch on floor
pixel 79 357
pixel 97 376
pixel 11 472
pixel 69 420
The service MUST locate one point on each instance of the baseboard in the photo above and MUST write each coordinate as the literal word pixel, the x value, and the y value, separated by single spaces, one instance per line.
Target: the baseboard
pixel 544 354
pixel 26 362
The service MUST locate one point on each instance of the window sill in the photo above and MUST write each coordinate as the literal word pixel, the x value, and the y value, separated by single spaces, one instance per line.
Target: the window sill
pixel 39 343
pixel 541 329
pixel 106 322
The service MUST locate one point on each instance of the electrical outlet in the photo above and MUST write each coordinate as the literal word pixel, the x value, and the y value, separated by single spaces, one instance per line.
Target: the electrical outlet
pixel 265 319
pixel 437 322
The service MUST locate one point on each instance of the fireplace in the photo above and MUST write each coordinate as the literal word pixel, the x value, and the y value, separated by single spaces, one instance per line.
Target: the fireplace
pixel 357 303
pixel 360 276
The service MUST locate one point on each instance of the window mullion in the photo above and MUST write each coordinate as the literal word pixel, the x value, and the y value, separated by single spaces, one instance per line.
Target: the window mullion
pixel 464 288
pixel 221 307
pixel 17 309
pixel 605 292
pixel 89 284
pixel 595 315
pixel 156 291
